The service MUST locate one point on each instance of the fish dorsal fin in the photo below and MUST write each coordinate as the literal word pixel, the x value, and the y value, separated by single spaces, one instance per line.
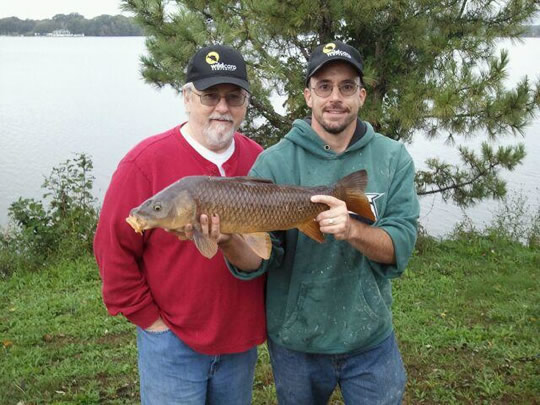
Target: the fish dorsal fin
pixel 260 243
pixel 351 190
pixel 356 180
pixel 312 229
pixel 206 246
pixel 251 179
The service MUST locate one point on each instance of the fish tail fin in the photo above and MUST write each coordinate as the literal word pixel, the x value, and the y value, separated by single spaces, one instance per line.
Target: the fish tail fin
pixel 351 190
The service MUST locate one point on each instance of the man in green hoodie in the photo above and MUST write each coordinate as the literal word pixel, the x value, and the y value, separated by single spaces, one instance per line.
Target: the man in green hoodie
pixel 329 305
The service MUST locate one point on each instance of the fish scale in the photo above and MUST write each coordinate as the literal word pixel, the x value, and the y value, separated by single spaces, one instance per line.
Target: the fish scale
pixel 255 207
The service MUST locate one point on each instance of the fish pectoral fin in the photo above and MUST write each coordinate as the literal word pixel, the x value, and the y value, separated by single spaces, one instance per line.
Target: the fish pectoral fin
pixel 312 229
pixel 206 246
pixel 259 242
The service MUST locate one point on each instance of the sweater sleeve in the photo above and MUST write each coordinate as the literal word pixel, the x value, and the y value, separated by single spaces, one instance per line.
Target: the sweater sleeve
pixel 400 217
pixel 118 249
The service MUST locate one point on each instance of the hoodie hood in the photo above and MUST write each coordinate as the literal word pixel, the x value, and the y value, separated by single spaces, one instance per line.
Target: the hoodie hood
pixel 304 136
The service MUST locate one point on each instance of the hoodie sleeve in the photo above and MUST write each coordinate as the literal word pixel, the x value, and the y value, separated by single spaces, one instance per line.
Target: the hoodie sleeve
pixel 400 216
pixel 118 249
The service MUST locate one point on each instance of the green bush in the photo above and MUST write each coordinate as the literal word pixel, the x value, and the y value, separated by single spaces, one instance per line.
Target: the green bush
pixel 62 223
pixel 514 220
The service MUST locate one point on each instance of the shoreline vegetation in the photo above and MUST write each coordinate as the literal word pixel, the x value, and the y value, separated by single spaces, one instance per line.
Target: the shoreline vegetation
pixel 73 24
pixel 465 311
pixel 103 25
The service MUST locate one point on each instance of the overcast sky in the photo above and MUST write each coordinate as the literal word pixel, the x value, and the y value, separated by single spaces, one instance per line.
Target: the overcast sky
pixel 42 9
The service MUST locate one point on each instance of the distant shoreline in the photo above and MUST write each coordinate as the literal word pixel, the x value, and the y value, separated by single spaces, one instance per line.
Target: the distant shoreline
pixel 72 36
pixel 74 24
pixel 132 36
pixel 104 26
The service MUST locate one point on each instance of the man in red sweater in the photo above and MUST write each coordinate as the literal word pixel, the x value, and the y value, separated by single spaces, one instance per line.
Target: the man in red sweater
pixel 198 326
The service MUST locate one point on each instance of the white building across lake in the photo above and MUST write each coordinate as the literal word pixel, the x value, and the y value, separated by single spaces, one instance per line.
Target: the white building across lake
pixel 63 33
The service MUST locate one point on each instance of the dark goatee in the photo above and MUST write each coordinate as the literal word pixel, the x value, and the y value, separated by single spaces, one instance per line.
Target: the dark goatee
pixel 334 130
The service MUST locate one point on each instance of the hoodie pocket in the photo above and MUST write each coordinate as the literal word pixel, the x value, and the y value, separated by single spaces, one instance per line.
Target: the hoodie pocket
pixel 332 313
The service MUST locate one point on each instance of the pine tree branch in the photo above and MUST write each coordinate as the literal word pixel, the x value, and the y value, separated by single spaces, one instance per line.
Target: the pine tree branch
pixel 272 117
pixel 480 174
pixel 254 41
pixel 326 33
pixel 305 53
pixel 462 8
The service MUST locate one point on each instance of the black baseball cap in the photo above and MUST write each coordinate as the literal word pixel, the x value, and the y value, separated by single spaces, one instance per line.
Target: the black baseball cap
pixel 217 64
pixel 330 52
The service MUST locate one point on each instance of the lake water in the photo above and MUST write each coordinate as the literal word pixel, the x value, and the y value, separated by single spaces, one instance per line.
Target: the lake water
pixel 60 96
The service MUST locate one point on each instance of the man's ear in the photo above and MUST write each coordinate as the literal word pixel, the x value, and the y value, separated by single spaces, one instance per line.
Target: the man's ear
pixel 307 97
pixel 362 94
pixel 187 101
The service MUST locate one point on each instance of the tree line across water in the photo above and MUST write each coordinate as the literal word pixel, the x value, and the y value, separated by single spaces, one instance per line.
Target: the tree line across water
pixel 101 26
pixel 76 24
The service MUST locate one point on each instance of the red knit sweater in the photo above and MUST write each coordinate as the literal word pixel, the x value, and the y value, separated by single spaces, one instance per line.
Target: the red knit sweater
pixel 156 274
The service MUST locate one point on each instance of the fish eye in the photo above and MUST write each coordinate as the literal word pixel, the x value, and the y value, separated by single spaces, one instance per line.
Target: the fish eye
pixel 157 207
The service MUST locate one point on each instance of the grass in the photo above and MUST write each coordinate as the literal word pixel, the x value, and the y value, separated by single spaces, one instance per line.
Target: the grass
pixel 465 312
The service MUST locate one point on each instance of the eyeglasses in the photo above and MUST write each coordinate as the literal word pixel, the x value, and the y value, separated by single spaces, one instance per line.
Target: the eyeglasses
pixel 324 89
pixel 235 99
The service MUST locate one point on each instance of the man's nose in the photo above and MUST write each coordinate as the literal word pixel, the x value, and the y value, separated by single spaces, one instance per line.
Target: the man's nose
pixel 335 94
pixel 222 106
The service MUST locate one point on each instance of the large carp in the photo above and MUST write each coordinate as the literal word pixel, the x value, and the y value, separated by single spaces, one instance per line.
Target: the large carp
pixel 247 206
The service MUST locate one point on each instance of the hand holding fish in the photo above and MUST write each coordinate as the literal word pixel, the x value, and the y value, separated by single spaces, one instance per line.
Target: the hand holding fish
pixel 335 221
pixel 210 229
pixel 236 252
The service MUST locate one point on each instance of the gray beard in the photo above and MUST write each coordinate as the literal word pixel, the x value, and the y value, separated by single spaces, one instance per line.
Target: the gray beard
pixel 218 137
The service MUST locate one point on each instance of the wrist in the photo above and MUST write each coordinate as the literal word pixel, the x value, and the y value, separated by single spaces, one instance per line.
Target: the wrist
pixel 357 231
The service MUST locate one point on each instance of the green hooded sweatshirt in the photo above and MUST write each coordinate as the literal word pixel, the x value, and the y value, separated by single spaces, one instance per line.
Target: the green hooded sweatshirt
pixel 330 298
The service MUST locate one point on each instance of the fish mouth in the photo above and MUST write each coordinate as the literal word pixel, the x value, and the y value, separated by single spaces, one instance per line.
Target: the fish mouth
pixel 136 223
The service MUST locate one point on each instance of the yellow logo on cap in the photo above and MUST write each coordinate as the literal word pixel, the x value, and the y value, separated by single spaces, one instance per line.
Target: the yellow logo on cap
pixel 212 57
pixel 329 47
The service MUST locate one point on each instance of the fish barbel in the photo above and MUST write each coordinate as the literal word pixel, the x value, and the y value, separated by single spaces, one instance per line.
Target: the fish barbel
pixel 246 205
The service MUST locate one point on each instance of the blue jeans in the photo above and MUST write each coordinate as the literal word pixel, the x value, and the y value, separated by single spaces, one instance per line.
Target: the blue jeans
pixel 374 377
pixel 172 373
